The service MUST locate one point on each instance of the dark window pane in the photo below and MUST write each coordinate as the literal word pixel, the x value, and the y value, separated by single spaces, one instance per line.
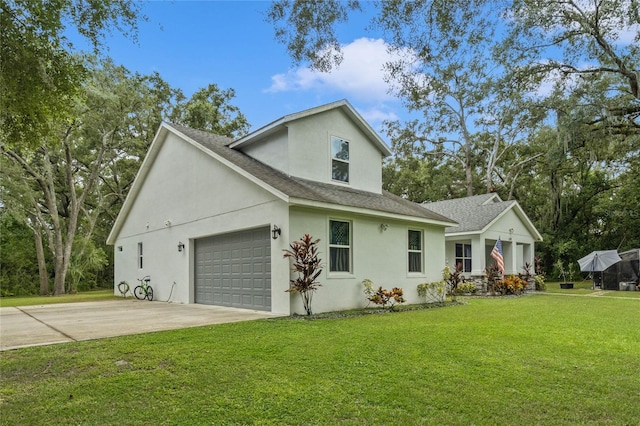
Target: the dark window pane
pixel 339 233
pixel 340 171
pixel 415 262
pixel 467 265
pixel 339 149
pixel 414 240
pixel 338 259
pixel 458 251
pixel 467 250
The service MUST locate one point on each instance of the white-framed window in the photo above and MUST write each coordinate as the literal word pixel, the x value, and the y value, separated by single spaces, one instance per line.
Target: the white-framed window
pixel 140 257
pixel 339 159
pixel 415 250
pixel 463 256
pixel 339 246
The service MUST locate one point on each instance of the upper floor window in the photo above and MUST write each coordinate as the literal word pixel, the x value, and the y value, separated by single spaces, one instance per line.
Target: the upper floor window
pixel 339 159
pixel 339 246
pixel 415 251
pixel 463 256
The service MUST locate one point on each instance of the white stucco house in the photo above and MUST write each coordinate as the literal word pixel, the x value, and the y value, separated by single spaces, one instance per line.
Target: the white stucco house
pixel 482 219
pixel 208 217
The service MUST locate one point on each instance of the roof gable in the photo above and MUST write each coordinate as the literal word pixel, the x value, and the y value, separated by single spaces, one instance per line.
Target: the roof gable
pixel 477 213
pixel 342 105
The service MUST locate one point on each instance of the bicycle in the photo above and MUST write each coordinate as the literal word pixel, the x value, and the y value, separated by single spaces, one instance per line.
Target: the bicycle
pixel 144 290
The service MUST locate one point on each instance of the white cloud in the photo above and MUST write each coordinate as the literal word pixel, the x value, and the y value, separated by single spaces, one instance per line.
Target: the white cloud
pixel 628 35
pixel 360 76
pixel 378 114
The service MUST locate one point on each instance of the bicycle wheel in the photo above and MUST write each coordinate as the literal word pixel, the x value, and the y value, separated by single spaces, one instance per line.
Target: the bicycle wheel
pixel 149 293
pixel 138 292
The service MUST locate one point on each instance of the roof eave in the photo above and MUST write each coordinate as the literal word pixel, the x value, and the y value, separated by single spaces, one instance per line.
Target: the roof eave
pixel 303 202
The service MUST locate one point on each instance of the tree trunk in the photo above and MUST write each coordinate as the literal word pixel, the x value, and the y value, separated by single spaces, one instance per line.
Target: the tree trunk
pixel 42 263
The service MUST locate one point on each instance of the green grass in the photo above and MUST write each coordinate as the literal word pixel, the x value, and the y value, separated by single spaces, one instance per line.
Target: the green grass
pixel 89 296
pixel 542 359
pixel 584 287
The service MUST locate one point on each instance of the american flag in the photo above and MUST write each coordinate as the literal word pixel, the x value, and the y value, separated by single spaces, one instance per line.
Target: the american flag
pixel 496 253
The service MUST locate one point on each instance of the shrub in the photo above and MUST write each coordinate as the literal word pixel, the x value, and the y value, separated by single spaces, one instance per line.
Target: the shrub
pixel 386 297
pixel 510 285
pixel 540 284
pixel 307 264
pixel 466 288
pixel 432 292
pixel 493 276
pixel 453 279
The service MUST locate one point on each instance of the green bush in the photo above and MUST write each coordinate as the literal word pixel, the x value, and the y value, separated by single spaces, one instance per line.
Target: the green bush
pixel 433 292
pixel 510 285
pixel 540 284
pixel 466 288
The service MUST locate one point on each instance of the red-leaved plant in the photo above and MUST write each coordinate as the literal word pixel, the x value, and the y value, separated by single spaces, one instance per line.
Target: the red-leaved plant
pixel 385 297
pixel 307 265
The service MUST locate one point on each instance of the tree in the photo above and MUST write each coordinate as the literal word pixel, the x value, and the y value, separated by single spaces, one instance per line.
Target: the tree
pixel 581 44
pixel 75 176
pixel 39 75
pixel 209 109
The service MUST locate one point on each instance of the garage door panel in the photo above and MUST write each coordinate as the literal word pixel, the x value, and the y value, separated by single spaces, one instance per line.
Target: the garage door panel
pixel 234 269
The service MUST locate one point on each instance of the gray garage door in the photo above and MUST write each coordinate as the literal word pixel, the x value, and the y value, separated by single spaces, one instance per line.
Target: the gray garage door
pixel 234 270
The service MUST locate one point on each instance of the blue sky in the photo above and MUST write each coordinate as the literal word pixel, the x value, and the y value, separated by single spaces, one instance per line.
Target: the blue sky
pixel 195 43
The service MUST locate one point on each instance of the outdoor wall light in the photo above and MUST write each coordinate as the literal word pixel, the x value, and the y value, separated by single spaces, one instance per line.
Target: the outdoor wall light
pixel 275 232
pixel 180 246
pixel 383 227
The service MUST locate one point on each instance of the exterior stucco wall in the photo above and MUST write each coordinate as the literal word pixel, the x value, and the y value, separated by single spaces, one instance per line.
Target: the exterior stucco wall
pixel 187 195
pixel 272 150
pixel 310 151
pixel 380 256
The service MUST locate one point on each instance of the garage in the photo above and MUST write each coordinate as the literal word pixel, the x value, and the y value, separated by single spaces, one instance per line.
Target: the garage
pixel 234 269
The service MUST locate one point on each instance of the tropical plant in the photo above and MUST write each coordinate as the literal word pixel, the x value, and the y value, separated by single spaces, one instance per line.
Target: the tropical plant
pixel 466 288
pixel 540 284
pixel 386 297
pixel 308 266
pixel 562 272
pixel 453 279
pixel 510 285
pixel 432 292
pixel 368 289
pixel 493 276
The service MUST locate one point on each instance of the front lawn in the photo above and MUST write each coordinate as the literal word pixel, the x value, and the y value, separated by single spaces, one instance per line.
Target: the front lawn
pixel 583 287
pixel 541 359
pixel 87 296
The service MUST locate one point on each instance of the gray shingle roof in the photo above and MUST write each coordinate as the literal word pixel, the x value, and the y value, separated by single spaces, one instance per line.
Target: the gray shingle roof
pixel 306 189
pixel 470 212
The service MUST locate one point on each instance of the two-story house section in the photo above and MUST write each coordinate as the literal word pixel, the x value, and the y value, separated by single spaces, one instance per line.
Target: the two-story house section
pixel 208 217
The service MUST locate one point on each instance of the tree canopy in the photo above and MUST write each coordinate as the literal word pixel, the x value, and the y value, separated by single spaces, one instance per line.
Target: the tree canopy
pixel 39 74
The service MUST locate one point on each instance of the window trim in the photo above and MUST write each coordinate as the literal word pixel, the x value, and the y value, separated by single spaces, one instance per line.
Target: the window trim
pixel 463 258
pixel 347 162
pixel 410 251
pixel 349 247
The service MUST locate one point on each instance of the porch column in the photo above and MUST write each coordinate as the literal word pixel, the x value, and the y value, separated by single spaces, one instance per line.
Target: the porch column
pixel 510 249
pixel 478 258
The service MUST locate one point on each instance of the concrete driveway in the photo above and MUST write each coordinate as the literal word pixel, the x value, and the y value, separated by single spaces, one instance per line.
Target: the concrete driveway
pixel 71 322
